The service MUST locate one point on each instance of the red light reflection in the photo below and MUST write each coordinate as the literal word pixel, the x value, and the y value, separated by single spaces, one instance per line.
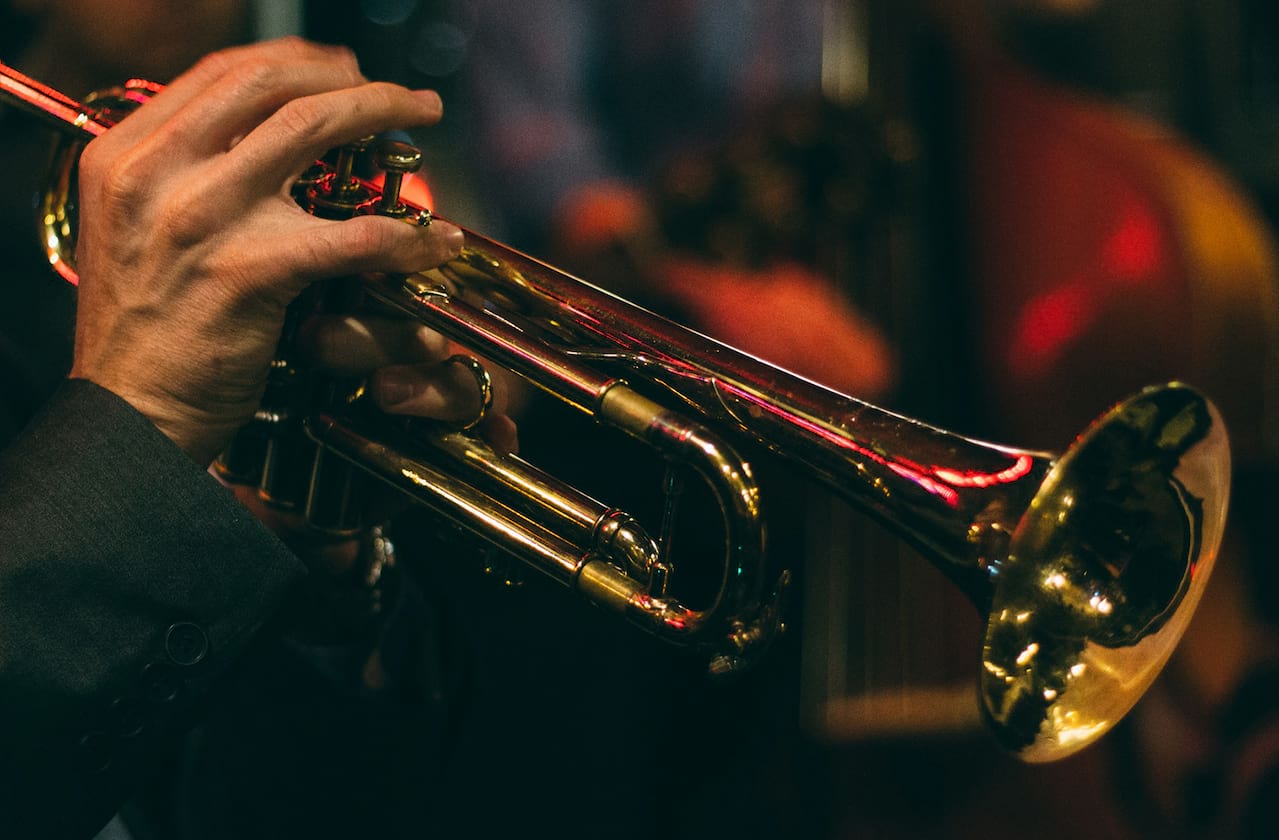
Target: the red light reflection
pixel 1133 251
pixel 1020 467
pixel 936 480
pixel 413 190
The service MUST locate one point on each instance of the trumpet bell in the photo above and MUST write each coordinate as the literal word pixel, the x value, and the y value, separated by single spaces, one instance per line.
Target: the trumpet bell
pixel 1103 573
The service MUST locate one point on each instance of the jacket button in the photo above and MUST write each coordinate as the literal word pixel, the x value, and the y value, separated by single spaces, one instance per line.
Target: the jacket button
pixel 160 683
pixel 96 750
pixel 127 718
pixel 186 644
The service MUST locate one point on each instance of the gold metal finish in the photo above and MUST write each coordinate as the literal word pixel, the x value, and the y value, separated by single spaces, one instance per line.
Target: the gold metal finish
pixel 340 193
pixel 396 159
pixel 483 382
pixel 1087 565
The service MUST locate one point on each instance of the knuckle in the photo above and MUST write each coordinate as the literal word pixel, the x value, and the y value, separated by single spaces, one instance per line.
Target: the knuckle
pixel 323 255
pixel 302 118
pixel 118 180
pixel 343 57
pixel 186 218
pixel 295 43
pixel 254 79
pixel 378 105
pixel 293 48
pixel 216 63
pixel 390 96
pixel 93 161
pixel 350 70
pixel 369 240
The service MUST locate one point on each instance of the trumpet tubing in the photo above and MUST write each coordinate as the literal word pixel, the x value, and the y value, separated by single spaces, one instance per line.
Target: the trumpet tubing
pixel 1087 565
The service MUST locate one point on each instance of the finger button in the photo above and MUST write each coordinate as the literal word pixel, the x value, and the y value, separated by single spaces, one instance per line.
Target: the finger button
pixel 186 644
pixel 396 159
pixel 340 195
pixel 343 180
pixel 128 719
pixel 96 751
pixel 161 683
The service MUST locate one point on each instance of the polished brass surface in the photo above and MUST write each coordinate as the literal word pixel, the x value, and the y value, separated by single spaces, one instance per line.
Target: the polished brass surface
pixel 396 159
pixel 1104 571
pixel 338 194
pixel 1087 565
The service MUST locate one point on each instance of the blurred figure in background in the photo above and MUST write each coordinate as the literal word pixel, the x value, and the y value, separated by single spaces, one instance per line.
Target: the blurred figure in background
pixel 579 106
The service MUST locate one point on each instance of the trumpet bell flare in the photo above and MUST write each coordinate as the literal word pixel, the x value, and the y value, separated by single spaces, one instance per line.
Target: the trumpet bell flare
pixel 1105 570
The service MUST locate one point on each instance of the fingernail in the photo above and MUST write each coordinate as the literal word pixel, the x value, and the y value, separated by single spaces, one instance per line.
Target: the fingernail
pixel 431 99
pixel 450 236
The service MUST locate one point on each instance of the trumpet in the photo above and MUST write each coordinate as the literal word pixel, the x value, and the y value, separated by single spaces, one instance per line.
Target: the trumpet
pixel 1087 565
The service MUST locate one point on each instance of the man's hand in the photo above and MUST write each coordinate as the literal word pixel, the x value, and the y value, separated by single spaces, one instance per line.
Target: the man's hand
pixel 408 371
pixel 191 247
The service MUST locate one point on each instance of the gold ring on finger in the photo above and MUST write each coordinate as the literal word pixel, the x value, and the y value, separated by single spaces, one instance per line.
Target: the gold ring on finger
pixel 483 380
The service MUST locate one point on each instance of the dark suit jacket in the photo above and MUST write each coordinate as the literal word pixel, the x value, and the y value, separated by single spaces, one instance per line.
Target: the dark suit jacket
pixel 129 581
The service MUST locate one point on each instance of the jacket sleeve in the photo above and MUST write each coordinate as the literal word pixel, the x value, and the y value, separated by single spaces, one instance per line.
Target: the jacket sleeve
pixel 129 581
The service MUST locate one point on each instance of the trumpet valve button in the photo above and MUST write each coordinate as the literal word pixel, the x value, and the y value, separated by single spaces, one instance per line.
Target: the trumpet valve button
pixel 343 180
pixel 396 159
pixel 339 194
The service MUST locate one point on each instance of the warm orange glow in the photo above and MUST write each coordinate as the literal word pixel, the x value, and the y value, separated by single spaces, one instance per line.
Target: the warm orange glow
pixel 413 190
pixel 65 271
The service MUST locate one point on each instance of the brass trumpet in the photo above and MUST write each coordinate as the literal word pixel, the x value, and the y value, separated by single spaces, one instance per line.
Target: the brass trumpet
pixel 1087 565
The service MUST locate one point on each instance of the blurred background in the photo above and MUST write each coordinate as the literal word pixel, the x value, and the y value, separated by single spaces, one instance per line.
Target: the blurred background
pixel 999 217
